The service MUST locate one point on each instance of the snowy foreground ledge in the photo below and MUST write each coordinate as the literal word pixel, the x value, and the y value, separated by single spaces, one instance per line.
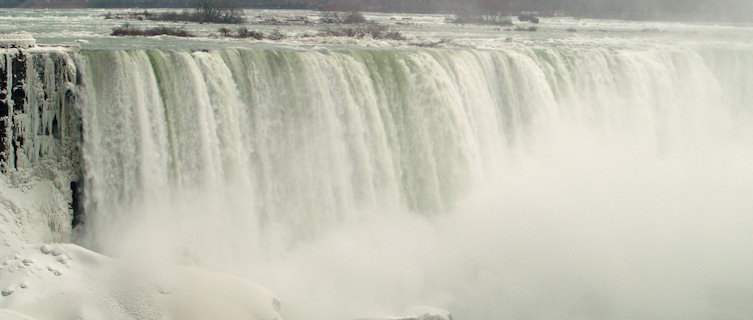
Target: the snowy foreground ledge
pixel 66 281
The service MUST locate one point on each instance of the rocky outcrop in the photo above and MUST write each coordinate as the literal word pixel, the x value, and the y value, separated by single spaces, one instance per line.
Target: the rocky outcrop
pixel 40 127
pixel 37 114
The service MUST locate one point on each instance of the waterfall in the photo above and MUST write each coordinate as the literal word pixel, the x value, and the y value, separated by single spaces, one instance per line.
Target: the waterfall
pixel 486 181
pixel 593 169
pixel 304 139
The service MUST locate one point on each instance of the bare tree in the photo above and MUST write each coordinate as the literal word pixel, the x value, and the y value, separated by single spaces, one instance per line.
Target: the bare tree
pixel 222 11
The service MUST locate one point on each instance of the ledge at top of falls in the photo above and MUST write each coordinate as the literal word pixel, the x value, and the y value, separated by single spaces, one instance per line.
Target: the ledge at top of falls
pixel 17 40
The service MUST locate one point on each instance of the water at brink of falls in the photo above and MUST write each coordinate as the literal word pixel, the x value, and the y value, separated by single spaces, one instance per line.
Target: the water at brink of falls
pixel 550 176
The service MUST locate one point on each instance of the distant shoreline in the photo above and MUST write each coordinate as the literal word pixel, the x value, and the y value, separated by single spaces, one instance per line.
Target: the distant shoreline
pixel 686 18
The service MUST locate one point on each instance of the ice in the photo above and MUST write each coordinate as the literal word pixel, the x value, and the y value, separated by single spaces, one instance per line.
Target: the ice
pixel 17 40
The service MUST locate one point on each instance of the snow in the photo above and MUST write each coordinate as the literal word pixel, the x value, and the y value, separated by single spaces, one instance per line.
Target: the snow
pixel 82 284
pixel 97 287
pixel 44 279
pixel 6 314
pixel 32 210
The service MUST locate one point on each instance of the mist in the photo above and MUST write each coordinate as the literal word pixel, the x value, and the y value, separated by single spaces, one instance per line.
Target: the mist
pixel 572 226
pixel 581 230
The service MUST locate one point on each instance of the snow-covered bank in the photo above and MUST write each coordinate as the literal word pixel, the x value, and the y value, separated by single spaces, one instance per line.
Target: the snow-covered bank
pixel 41 278
pixel 65 281
pixel 32 210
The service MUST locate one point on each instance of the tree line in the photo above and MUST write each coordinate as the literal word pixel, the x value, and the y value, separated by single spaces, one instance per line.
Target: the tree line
pixel 727 10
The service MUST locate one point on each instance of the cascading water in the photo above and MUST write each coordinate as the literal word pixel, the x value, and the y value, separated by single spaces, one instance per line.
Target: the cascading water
pixel 359 130
pixel 512 183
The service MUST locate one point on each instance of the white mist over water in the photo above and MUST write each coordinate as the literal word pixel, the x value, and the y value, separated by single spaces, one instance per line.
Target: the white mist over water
pixel 519 183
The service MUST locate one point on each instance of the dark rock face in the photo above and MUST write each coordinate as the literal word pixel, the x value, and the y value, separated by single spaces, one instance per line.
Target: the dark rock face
pixel 3 104
pixel 77 204
pixel 18 95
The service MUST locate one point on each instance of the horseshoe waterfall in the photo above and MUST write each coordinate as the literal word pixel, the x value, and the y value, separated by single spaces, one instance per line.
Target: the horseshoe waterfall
pixel 340 182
